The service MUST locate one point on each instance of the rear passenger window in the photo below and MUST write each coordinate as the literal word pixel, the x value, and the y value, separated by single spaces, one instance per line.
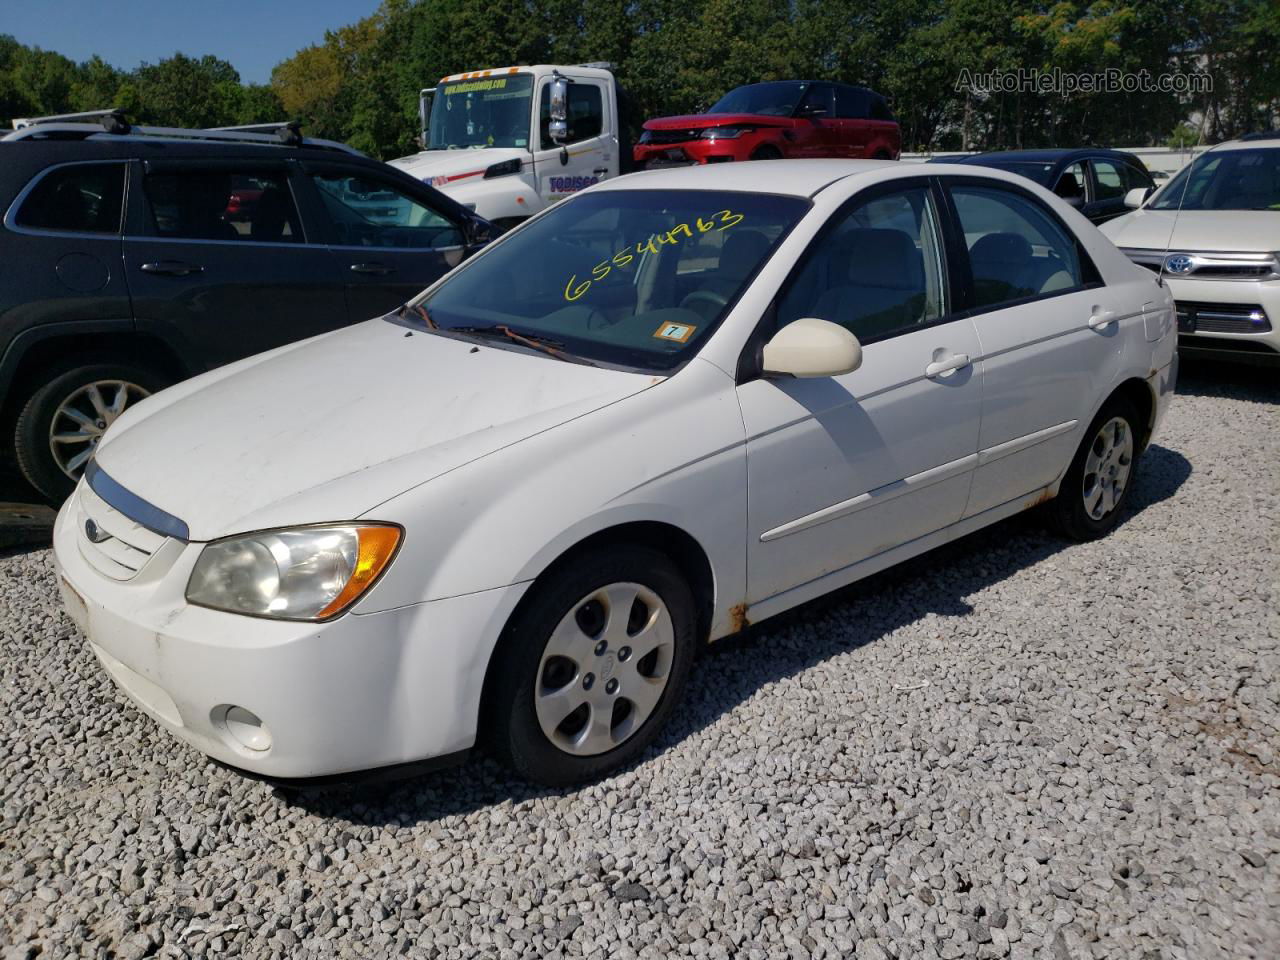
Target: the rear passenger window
pixel 223 205
pixel 879 272
pixel 852 103
pixel 79 198
pixel 1016 250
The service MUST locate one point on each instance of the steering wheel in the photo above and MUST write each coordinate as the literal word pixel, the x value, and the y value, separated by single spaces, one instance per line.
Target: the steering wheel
pixel 716 301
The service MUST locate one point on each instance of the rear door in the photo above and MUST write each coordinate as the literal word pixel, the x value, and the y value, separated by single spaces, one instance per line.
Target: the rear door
pixel 389 240
pixel 852 124
pixel 1050 333
pixel 217 258
pixel 62 238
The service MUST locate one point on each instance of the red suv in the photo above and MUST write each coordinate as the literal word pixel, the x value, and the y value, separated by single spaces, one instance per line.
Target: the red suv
pixel 768 121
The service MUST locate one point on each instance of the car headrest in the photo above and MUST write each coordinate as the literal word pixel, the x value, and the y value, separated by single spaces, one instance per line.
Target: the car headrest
pixel 270 215
pixel 1008 248
pixel 1068 187
pixel 883 258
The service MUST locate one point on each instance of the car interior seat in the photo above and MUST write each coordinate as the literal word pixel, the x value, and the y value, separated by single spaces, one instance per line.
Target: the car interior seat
pixel 884 285
pixel 271 216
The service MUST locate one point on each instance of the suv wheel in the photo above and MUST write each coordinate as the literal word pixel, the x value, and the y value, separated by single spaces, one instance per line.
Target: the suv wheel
pixel 60 426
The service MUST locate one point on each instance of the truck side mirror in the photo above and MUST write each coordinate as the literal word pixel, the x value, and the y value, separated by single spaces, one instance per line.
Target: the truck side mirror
pixel 559 126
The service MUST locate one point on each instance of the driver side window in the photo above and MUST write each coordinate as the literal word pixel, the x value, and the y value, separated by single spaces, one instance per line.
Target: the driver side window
pixel 877 273
pixel 365 212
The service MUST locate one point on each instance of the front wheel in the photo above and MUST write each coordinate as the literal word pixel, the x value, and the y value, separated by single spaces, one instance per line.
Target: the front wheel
pixel 62 421
pixel 1101 476
pixel 587 674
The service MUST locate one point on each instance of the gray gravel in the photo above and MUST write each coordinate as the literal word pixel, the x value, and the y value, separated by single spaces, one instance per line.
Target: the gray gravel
pixel 1012 748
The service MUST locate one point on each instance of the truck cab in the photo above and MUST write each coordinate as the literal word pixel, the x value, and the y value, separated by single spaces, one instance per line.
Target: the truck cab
pixel 510 141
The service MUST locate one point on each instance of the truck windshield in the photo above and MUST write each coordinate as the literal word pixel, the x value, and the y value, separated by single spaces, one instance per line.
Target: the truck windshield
pixel 1225 180
pixel 777 99
pixel 630 278
pixel 485 112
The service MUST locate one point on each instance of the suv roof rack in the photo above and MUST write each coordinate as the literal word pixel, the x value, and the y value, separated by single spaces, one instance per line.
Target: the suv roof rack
pixel 113 123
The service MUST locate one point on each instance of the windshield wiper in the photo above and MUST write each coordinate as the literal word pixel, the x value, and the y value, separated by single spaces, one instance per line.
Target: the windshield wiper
pixel 553 348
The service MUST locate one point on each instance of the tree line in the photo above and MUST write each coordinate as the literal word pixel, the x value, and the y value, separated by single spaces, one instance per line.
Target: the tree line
pixel 361 84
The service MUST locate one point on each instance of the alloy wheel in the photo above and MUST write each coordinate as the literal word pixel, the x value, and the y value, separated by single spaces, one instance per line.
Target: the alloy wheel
pixel 84 416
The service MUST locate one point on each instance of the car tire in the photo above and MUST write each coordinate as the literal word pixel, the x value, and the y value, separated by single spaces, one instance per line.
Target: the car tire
pixel 563 655
pixel 767 153
pixel 52 407
pixel 1101 477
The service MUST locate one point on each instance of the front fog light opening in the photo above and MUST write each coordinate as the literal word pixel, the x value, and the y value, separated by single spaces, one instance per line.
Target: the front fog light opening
pixel 242 729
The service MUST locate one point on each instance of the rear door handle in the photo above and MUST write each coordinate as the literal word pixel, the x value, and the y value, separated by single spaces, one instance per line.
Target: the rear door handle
pixel 940 368
pixel 171 268
pixel 375 269
pixel 1101 318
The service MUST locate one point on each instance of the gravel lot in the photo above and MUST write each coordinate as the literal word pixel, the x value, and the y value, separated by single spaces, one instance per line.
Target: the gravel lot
pixel 1013 747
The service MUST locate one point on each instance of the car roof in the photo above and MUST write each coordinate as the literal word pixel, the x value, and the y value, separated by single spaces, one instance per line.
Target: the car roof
pixel 1056 155
pixel 798 178
pixel 1257 143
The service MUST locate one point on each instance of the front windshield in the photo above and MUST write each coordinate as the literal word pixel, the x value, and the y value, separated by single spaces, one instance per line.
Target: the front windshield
pixel 762 99
pixel 1225 180
pixel 1039 172
pixel 634 278
pixel 489 112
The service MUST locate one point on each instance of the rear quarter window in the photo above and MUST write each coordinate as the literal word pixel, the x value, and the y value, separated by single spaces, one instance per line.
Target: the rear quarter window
pixel 79 198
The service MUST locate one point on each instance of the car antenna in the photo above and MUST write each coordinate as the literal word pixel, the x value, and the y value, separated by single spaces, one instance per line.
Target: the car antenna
pixel 1173 227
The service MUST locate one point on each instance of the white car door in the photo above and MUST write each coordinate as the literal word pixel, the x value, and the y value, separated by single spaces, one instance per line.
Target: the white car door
pixel 586 157
pixel 1050 337
pixel 840 469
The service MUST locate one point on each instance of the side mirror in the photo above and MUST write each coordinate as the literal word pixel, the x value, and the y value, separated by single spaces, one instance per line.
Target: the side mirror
pixel 558 129
pixel 1136 197
pixel 424 114
pixel 810 347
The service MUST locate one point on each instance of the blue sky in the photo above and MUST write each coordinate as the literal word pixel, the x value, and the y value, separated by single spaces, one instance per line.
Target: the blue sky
pixel 252 36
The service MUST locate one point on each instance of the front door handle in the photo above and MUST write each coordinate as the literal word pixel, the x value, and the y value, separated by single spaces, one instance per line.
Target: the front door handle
pixel 375 269
pixel 171 268
pixel 940 368
pixel 1100 318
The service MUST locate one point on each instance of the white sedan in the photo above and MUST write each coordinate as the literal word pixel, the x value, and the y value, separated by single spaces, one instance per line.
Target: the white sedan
pixel 670 406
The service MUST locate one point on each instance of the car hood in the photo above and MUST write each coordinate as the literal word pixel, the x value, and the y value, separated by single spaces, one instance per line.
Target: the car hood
pixel 331 427
pixel 440 168
pixel 1243 231
pixel 701 121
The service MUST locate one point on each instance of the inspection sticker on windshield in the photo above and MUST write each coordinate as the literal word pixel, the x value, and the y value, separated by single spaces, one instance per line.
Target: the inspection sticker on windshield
pixel 679 332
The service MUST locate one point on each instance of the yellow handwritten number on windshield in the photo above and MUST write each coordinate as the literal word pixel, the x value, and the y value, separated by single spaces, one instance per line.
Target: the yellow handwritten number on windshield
pixel 719 222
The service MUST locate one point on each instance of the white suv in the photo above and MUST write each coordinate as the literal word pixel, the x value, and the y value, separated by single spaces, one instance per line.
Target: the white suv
pixel 1219 252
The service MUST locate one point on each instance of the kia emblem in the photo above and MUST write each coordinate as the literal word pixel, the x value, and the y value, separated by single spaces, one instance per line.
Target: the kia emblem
pixel 94 532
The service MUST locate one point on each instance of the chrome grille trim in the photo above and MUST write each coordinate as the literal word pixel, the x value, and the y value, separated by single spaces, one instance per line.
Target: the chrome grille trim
pixel 1209 265
pixel 125 545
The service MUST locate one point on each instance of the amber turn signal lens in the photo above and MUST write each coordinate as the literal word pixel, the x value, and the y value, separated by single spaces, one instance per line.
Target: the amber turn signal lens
pixel 377 547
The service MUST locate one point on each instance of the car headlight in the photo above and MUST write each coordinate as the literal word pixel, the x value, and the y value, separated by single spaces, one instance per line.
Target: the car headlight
pixel 645 136
pixel 723 133
pixel 312 573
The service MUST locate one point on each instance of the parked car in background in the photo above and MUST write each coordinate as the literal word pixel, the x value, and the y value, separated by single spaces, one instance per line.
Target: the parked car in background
pixel 1213 233
pixel 772 121
pixel 1093 181
pixel 132 261
pixel 677 403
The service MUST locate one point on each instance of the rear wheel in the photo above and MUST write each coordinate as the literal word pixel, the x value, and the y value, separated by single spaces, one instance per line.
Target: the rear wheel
pixel 588 673
pixel 62 422
pixel 767 153
pixel 1101 476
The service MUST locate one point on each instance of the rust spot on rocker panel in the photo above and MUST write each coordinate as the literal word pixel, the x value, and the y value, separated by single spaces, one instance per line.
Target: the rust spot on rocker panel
pixel 1044 496
pixel 738 618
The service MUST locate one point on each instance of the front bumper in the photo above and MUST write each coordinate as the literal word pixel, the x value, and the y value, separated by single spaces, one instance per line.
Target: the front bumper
pixel 357 692
pixel 653 156
pixel 1209 305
